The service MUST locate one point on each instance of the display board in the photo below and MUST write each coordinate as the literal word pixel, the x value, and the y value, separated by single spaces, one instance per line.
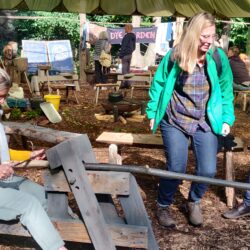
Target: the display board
pixel 36 52
pixel 58 53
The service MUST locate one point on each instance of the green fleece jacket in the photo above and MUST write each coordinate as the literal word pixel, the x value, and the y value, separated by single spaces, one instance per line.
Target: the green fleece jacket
pixel 220 108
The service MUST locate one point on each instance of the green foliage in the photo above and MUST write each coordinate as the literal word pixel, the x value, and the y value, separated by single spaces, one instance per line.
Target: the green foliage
pixel 238 33
pixel 31 114
pixel 52 26
pixel 15 114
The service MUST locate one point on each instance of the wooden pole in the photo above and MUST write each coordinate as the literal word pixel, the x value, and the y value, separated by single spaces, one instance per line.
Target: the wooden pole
pixel 82 52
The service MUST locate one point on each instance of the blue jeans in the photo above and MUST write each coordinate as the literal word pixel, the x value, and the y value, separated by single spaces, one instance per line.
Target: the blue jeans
pixel 247 194
pixel 176 142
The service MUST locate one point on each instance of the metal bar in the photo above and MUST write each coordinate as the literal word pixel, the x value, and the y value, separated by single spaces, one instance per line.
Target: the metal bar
pixel 165 174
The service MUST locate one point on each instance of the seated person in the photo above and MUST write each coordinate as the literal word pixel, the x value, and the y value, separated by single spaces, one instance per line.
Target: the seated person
pixel 21 198
pixel 240 72
pixel 243 209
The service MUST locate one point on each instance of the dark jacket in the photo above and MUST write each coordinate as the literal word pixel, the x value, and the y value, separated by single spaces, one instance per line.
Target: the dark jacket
pixel 128 45
pixel 239 69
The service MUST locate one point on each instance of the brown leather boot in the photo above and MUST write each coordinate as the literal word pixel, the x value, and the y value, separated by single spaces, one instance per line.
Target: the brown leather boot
pixel 164 217
pixel 194 213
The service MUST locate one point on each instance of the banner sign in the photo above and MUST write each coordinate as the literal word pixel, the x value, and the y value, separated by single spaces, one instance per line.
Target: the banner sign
pixel 143 35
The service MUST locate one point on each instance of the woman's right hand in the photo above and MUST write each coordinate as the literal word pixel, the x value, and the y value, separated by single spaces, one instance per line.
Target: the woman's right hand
pixel 152 123
pixel 6 170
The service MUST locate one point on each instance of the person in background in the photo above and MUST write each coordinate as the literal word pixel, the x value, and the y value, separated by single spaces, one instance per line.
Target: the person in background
pixel 127 48
pixel 101 44
pixel 21 198
pixel 245 58
pixel 241 77
pixel 243 209
pixel 191 101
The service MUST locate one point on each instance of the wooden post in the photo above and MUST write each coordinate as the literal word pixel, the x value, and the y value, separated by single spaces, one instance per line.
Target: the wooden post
pixel 82 52
pixel 228 163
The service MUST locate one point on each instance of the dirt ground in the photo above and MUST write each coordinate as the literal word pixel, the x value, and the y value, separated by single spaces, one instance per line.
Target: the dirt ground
pixel 216 232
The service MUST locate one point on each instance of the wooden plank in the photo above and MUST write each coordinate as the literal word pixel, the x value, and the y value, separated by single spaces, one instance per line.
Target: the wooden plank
pixel 115 183
pixel 75 231
pixel 234 144
pixel 82 149
pixel 135 78
pixel 56 182
pixel 84 195
pixel 135 212
pixel 130 139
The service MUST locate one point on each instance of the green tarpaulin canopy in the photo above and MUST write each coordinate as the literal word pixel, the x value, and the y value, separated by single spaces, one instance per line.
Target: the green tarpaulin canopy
pixel 222 8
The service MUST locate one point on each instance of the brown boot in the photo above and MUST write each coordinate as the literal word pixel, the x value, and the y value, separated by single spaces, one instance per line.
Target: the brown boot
pixel 194 213
pixel 164 217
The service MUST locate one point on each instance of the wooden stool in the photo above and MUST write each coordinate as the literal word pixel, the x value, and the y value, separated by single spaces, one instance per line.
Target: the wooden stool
pixel 244 93
pixel 98 87
pixel 71 86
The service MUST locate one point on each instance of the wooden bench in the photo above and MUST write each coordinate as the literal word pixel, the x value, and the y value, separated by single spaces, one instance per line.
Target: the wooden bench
pixel 140 82
pixel 230 145
pixel 95 193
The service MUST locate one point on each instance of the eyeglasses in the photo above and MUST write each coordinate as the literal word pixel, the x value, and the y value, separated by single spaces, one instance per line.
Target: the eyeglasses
pixel 207 37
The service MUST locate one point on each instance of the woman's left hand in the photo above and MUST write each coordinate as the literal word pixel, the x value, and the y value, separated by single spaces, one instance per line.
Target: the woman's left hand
pixel 225 129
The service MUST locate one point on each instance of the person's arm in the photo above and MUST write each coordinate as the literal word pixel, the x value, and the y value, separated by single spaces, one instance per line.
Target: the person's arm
pixel 157 85
pixel 226 86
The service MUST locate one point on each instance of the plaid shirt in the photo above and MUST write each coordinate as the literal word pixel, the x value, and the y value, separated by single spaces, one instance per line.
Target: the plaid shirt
pixel 187 107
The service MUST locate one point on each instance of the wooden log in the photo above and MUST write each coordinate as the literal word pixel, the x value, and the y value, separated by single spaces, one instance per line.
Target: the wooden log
pixel 135 119
pixel 106 118
pixel 37 132
pixel 122 119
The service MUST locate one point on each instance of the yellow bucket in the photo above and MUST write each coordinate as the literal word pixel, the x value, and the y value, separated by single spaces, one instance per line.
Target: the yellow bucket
pixel 19 155
pixel 53 99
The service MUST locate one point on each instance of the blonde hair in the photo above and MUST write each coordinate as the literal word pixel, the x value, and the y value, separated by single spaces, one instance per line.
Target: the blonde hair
pixel 5 82
pixel 104 35
pixel 128 27
pixel 185 50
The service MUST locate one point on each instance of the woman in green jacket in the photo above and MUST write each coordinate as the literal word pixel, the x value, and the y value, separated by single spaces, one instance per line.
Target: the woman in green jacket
pixel 189 99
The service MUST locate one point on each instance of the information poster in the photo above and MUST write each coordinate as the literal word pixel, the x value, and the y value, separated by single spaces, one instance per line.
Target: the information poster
pixel 56 53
